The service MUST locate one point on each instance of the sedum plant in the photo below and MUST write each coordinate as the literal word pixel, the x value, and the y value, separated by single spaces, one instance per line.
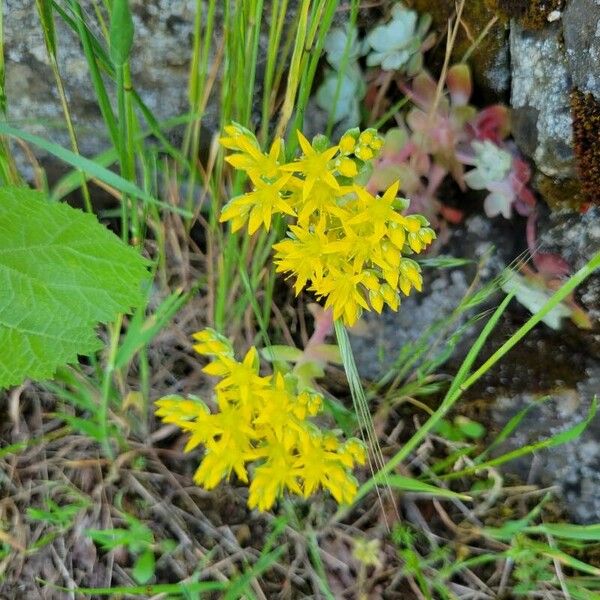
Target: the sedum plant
pixel 348 246
pixel 264 421
pixel 343 86
pixel 399 44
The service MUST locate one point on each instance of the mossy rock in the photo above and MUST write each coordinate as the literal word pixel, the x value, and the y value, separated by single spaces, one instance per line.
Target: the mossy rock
pixel 560 194
pixel 489 61
pixel 531 14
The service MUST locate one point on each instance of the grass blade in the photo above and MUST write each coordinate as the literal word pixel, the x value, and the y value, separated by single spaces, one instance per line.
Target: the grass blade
pixel 89 166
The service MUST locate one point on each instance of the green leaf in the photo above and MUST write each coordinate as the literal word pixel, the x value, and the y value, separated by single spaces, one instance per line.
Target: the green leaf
pixel 121 32
pixel 408 484
pixel 143 570
pixel 91 168
pixel 61 273
pixel 282 353
pixel 568 531
pixel 44 8
pixel 470 429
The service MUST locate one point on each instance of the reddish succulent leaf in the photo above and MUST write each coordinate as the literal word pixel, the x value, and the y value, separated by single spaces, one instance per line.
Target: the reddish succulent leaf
pixel 459 84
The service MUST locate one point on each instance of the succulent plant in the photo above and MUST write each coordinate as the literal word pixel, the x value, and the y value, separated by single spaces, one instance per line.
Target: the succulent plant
pixel 492 165
pixel 500 171
pixel 442 134
pixel 345 102
pixel 335 46
pixel 399 44
pixel 343 86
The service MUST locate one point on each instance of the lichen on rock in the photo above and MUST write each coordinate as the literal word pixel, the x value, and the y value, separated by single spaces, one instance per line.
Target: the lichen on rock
pixel 540 88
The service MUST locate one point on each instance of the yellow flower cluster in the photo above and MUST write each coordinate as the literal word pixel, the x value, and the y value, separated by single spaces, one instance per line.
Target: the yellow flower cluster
pixel 347 246
pixel 263 420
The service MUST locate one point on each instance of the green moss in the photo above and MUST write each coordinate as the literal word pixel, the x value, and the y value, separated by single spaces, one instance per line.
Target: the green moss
pixel 560 194
pixel 531 14
pixel 585 110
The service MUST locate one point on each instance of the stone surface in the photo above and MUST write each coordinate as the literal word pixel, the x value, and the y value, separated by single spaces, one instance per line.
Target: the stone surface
pixel 546 65
pixel 576 238
pixel 573 467
pixel 160 59
pixel 540 99
pixel 581 32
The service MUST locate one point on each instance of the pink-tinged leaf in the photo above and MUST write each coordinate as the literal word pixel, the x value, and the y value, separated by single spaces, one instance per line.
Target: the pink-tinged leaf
pixel 428 43
pixel 326 353
pixel 383 177
pixel 551 265
pixel 459 84
pixel 457 171
pixel 395 140
pixel 492 123
pixel 424 89
pixel 519 178
pixel 417 120
pixel 420 163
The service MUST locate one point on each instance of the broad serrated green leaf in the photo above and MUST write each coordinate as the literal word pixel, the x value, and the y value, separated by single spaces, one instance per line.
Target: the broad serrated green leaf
pixel 61 273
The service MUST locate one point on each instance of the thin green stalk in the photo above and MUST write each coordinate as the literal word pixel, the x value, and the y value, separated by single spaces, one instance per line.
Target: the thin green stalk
pixel 313 550
pixel 359 400
pixel 107 384
pixel 8 171
pixel 354 6
pixel 197 90
pixel 391 112
pixel 122 145
pixel 320 24
pixel 131 130
pixel 295 69
pixel 277 20
pixel 44 9
pixel 254 24
pixel 99 88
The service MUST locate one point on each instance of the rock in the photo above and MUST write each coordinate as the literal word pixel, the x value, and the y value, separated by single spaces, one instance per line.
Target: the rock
pixel 490 60
pixel 548 66
pixel 160 59
pixel 540 99
pixel 379 339
pixel 573 467
pixel 581 31
pixel 576 238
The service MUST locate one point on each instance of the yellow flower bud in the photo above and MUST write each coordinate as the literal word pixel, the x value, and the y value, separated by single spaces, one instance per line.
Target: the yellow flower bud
pixel 347 144
pixel 347 167
pixel 364 153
